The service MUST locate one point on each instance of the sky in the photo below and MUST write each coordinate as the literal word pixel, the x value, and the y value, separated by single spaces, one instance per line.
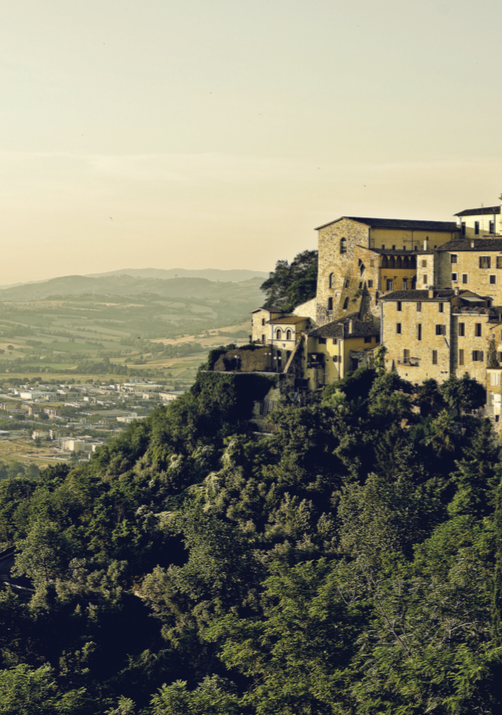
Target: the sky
pixel 219 134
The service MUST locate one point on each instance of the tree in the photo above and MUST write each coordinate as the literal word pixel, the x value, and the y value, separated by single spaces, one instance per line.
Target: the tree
pixel 291 285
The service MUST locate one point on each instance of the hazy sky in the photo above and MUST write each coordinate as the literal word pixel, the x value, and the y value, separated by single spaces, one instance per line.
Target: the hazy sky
pixel 219 133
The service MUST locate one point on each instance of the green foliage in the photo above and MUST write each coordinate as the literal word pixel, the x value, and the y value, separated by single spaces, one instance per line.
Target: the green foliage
pixel 346 561
pixel 292 284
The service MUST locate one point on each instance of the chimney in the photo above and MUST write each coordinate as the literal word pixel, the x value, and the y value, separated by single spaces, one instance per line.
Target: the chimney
pixel 426 243
pixel 473 243
pixel 457 290
pixel 431 292
pixel 351 327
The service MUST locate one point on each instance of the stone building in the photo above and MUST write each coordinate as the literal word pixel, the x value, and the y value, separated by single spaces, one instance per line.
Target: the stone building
pixel 428 291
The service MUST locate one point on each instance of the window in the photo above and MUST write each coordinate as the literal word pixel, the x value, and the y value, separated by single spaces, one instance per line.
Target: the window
pixel 424 278
pixel 465 278
pixel 476 228
pixel 393 248
pixel 434 357
pixel 383 245
pixel 399 305
pixel 419 307
pixel 345 303
pixel 499 261
pixel 390 284
pixel 278 334
pixel 441 307
pixel 454 258
pixel 462 227
pixel 263 321
pixel 321 341
pixel 477 330
pixel 499 356
pixel 330 303
pixel 405 284
pixel 360 285
pixel 440 329
pixel 454 277
pixel 288 334
pixel 492 227
pixel 461 329
pixel 419 331
pixel 461 357
pixel 367 339
pixel 424 264
pixel 477 356
pixel 398 328
pixel 406 356
pixel 370 284
pixel 493 280
pixel 485 262
pixel 495 378
pixel 331 280
pixel 343 245
pixel 347 283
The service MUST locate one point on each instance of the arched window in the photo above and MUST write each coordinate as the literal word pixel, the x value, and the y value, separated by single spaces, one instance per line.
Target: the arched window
pixel 330 303
pixel 288 334
pixel 278 334
pixel 345 303
pixel 331 280
pixel 343 245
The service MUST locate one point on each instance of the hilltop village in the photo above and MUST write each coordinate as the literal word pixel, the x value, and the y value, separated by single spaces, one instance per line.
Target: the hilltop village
pixel 430 292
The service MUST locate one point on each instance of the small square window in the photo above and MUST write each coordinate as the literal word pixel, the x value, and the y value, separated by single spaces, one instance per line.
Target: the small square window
pixel 440 329
pixel 477 356
pixel 493 280
pixel 367 339
pixel 424 264
pixel 485 262
pixel 465 278
pixel 370 284
pixel 454 277
pixel 454 258
pixel 424 278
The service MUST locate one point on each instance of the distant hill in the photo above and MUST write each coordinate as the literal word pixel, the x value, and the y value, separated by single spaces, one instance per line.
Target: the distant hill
pixel 210 274
pixel 246 292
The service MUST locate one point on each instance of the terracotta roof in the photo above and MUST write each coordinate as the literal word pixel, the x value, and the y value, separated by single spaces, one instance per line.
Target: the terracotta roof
pixel 465 244
pixel 270 310
pixel 418 296
pixel 287 320
pixel 483 211
pixel 340 328
pixel 397 223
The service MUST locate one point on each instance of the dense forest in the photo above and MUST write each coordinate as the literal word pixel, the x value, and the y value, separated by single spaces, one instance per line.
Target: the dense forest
pixel 347 561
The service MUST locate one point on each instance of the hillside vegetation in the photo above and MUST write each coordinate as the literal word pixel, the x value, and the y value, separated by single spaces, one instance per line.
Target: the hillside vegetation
pixel 346 561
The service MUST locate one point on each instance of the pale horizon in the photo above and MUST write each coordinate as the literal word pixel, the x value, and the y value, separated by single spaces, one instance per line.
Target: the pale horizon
pixel 219 135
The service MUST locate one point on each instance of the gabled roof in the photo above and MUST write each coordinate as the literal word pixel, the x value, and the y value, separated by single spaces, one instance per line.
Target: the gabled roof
pixel 341 328
pixel 400 224
pixel 483 211
pixel 472 244
pixel 287 320
pixel 418 296
pixel 270 310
